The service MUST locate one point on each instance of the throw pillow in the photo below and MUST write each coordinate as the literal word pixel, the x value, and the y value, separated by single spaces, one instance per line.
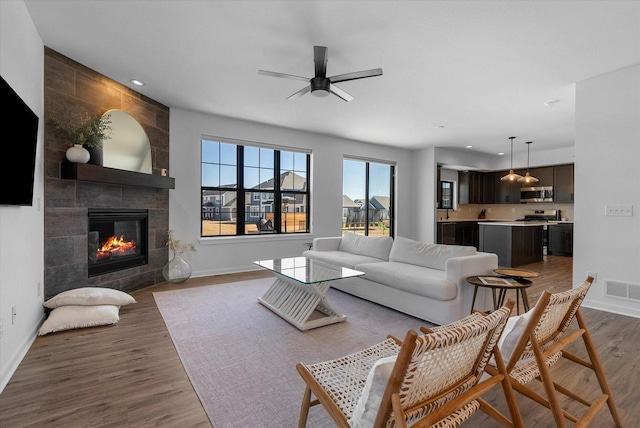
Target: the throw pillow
pixel 372 246
pixel 364 415
pixel 70 317
pixel 434 256
pixel 510 335
pixel 89 296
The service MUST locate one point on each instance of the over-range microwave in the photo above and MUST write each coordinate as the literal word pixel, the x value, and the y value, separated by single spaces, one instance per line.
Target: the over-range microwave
pixel 536 194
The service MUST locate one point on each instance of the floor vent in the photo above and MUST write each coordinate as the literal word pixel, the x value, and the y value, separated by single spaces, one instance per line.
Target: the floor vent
pixel 622 290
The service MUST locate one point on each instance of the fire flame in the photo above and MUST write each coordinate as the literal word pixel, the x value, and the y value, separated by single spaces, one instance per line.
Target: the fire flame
pixel 116 247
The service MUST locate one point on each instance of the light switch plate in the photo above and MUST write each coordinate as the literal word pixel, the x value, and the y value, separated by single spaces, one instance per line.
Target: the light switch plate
pixel 625 210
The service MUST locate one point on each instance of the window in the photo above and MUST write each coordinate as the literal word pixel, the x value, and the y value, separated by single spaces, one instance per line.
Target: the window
pixel 367 197
pixel 446 198
pixel 252 190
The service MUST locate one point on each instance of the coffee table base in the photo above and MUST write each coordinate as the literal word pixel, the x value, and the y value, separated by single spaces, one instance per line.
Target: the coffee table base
pixel 303 305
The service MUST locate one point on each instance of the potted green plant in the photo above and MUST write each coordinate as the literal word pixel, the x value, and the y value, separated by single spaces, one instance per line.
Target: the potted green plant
pixel 86 133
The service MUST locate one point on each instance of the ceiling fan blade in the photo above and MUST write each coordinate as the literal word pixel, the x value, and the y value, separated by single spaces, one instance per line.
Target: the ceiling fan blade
pixel 340 93
pixel 300 92
pixel 356 75
pixel 286 76
pixel 320 60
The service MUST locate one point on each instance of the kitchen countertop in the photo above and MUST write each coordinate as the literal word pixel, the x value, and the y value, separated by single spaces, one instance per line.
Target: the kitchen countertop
pixel 455 220
pixel 513 223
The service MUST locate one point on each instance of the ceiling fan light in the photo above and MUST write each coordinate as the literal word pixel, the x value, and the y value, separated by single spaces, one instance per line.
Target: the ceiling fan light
pixel 320 93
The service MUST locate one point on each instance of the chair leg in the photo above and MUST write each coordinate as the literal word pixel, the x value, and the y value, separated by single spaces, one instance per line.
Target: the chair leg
pixel 597 368
pixel 514 410
pixel 304 408
pixel 547 382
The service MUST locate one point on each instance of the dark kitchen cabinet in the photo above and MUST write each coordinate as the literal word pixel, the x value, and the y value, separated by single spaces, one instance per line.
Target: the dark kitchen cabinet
pixel 514 245
pixel 563 183
pixel 446 233
pixel 543 174
pixel 506 192
pixel 475 188
pixel 458 233
pixel 560 241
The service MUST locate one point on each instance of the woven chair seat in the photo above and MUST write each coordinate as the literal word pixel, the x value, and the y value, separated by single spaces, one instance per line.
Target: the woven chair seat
pixel 459 416
pixel 344 378
pixel 528 370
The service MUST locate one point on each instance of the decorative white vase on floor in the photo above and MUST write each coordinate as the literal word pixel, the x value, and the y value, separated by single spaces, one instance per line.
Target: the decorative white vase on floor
pixel 177 270
pixel 77 154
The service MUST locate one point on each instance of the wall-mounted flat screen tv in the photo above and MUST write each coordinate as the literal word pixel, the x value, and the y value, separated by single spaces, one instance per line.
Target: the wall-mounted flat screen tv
pixel 20 138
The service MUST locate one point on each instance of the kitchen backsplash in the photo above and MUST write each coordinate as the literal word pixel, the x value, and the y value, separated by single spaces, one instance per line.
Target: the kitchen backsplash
pixel 503 211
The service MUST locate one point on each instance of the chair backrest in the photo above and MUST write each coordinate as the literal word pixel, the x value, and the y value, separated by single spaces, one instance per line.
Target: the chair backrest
pixel 435 368
pixel 548 321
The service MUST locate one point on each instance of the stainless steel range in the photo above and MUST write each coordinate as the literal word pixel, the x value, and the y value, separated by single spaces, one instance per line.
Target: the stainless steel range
pixel 540 215
pixel 543 216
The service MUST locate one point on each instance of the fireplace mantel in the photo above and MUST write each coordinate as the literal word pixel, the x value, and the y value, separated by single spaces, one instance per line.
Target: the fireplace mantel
pixel 101 174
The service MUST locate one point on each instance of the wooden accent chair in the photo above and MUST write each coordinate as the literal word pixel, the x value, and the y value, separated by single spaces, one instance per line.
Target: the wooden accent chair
pixel 434 378
pixel 539 340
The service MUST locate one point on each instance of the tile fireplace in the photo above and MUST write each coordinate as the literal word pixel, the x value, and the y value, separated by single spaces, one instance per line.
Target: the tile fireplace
pixel 117 239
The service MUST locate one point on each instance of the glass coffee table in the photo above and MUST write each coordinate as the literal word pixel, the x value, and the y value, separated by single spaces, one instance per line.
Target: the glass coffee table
pixel 298 294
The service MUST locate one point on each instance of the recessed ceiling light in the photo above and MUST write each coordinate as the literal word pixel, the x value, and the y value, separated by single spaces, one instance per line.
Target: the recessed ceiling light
pixel 137 82
pixel 501 153
pixel 468 147
pixel 440 126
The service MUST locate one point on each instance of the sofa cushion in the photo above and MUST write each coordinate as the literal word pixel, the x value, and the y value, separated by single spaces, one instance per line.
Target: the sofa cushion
pixel 433 256
pixel 339 258
pixel 413 279
pixel 372 246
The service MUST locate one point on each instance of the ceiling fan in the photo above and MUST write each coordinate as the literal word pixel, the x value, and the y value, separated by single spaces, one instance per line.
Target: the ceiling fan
pixel 320 85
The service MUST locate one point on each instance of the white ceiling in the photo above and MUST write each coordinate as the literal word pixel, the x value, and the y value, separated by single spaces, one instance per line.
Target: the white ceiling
pixel 481 69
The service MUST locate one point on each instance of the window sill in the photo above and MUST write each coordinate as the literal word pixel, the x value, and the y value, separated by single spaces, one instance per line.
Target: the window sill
pixel 255 238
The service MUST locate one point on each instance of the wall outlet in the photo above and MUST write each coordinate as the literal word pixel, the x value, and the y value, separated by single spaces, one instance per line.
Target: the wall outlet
pixel 618 210
pixel 13 315
pixel 488 210
pixel 594 275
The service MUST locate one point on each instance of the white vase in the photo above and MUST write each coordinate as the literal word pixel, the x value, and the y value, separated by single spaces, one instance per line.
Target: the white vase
pixel 77 154
pixel 177 270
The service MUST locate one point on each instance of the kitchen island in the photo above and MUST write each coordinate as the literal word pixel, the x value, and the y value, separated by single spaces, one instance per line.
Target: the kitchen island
pixel 516 243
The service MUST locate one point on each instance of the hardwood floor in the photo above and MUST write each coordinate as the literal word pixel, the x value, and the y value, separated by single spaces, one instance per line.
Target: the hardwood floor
pixel 130 375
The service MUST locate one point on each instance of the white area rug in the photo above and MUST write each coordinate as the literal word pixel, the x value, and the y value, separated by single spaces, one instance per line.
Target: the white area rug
pixel 241 357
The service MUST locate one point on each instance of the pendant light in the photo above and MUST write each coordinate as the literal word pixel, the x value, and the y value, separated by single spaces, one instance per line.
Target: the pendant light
pixel 528 178
pixel 512 176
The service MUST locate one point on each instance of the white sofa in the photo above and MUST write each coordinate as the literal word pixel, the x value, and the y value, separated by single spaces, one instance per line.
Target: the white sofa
pixel 427 281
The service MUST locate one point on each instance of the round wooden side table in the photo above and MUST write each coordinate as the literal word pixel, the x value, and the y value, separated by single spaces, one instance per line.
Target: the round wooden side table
pixel 500 285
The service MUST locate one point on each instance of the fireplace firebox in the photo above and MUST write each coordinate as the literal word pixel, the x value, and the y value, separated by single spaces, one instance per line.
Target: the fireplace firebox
pixel 117 239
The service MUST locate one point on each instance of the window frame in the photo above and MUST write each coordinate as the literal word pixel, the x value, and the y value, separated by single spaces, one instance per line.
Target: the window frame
pixel 246 197
pixel 367 198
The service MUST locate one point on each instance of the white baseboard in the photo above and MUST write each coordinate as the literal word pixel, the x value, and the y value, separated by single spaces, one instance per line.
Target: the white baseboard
pixel 614 309
pixel 16 359
pixel 225 271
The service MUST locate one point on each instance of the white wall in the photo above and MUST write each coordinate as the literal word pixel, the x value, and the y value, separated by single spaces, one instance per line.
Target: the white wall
pixel 21 228
pixel 606 172
pixel 223 255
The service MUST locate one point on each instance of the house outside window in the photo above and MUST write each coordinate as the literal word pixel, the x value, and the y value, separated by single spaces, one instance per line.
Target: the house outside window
pixel 367 197
pixel 271 184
